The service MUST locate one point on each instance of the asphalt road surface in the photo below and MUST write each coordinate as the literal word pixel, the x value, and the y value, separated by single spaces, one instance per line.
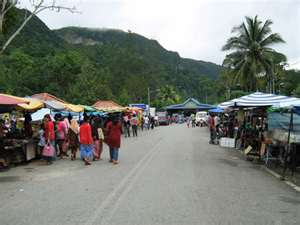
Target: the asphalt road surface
pixel 170 175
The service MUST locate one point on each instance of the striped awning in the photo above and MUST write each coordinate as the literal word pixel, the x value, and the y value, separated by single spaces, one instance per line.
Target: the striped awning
pixel 259 99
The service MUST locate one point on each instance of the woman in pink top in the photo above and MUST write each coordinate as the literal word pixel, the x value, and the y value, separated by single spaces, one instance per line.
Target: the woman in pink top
pixel 62 135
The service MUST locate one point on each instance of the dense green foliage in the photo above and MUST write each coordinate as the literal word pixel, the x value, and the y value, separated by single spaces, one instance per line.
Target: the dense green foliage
pixel 84 65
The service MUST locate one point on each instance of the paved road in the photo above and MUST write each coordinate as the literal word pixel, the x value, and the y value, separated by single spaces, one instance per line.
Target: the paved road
pixel 166 176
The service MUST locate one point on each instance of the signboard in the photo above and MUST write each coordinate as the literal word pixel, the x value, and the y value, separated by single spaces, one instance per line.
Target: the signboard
pixel 141 106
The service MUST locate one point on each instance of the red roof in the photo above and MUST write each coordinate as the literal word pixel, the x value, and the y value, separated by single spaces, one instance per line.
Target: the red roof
pixel 106 104
pixel 47 97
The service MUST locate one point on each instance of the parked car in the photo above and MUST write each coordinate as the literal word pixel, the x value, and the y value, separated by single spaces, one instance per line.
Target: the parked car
pixel 163 118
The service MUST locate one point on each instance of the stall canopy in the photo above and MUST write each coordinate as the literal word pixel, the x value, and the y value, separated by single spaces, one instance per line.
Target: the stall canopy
pixel 88 108
pixel 108 106
pixel 9 102
pixel 258 99
pixel 12 100
pixel 48 97
pixel 54 105
pixel 33 104
pixel 74 108
pixel 39 115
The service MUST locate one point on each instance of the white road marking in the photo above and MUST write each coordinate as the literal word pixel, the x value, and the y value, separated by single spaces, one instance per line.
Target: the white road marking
pixel 292 185
pixel 112 200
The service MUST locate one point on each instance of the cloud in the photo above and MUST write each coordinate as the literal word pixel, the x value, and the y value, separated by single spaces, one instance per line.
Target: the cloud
pixel 194 28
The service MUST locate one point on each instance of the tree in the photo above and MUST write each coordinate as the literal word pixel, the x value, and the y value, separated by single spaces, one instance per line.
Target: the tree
pixel 91 82
pixel 168 95
pixel 124 98
pixel 252 57
pixel 38 6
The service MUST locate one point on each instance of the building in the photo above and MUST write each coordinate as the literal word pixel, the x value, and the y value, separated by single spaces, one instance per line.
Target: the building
pixel 191 105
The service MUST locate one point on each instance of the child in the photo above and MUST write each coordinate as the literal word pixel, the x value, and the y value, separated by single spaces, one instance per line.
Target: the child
pixel 42 141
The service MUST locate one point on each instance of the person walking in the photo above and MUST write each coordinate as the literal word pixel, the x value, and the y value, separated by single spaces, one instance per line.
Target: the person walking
pixel 49 137
pixel 95 131
pixel 101 138
pixel 193 119
pixel 126 122
pixel 62 134
pixel 142 123
pixel 86 141
pixel 146 119
pixel 73 138
pixel 134 125
pixel 114 130
pixel 42 140
pixel 152 122
pixel 107 129
pixel 188 122
pixel 212 129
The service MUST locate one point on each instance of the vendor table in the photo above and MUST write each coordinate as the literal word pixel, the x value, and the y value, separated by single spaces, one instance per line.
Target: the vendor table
pixel 19 150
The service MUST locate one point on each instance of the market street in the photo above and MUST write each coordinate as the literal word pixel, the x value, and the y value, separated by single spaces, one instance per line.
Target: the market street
pixel 170 175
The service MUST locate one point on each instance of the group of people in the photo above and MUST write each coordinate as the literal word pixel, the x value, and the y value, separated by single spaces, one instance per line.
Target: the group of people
pixel 61 134
pixel 132 122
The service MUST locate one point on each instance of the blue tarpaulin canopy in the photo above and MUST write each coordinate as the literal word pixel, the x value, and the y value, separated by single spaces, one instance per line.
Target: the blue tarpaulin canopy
pixel 297 110
pixel 216 110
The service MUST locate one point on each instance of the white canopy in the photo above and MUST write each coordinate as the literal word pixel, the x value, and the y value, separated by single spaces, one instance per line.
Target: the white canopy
pixel 39 115
pixel 261 99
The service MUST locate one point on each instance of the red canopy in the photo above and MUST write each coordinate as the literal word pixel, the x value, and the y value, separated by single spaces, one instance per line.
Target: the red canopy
pixel 11 100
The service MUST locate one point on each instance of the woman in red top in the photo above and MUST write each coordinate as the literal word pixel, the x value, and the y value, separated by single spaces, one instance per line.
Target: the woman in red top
pixel 49 134
pixel 114 130
pixel 86 142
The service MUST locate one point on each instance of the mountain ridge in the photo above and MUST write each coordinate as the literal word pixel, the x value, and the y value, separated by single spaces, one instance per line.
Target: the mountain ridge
pixel 103 63
pixel 93 36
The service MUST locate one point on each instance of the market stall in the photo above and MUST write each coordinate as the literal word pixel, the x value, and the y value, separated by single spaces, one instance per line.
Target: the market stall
pixel 13 143
pixel 252 121
pixel 284 134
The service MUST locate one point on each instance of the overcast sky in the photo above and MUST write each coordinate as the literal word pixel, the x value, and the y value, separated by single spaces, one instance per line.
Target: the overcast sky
pixel 194 28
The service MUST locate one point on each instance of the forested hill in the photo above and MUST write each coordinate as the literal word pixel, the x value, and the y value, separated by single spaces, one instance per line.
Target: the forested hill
pixel 146 48
pixel 83 65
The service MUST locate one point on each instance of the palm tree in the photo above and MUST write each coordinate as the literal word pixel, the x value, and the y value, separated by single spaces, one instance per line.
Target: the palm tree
pixel 252 57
